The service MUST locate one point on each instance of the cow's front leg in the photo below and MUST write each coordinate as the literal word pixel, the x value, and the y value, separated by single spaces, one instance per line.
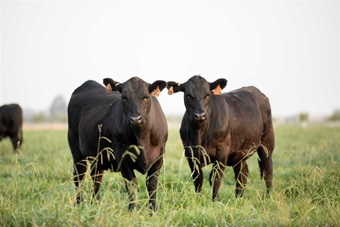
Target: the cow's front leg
pixel 241 176
pixel 196 172
pixel 152 182
pixel 216 177
pixel 131 185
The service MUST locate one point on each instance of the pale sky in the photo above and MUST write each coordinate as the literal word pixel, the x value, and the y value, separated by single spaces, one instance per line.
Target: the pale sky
pixel 288 49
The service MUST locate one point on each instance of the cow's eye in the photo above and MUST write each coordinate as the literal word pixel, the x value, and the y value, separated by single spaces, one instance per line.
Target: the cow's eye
pixel 207 96
pixel 124 99
pixel 189 97
pixel 146 98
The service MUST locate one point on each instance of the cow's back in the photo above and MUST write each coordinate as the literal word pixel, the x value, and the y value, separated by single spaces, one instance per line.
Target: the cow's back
pixel 250 115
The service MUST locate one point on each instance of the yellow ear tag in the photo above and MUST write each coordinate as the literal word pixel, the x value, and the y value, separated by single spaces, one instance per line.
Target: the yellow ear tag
pixel 108 88
pixel 217 90
pixel 156 92
pixel 171 90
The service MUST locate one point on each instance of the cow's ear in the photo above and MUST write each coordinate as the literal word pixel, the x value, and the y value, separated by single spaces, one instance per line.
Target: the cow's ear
pixel 218 86
pixel 174 87
pixel 111 85
pixel 156 88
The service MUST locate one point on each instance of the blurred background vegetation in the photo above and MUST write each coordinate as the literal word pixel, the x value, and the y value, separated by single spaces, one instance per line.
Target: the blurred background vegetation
pixel 57 113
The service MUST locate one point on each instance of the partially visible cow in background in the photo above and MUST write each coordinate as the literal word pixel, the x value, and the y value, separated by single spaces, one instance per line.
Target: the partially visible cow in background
pixel 11 124
pixel 225 130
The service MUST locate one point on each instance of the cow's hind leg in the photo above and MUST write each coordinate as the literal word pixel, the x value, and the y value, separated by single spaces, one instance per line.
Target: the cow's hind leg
pixel 97 176
pixel 78 176
pixel 241 176
pixel 266 166
pixel 80 165
pixel 265 152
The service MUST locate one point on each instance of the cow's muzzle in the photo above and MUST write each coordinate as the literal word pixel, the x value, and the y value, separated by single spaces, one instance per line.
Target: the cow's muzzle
pixel 200 116
pixel 136 120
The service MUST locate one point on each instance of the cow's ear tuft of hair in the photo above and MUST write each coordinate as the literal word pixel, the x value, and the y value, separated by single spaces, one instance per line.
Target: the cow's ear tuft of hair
pixel 111 85
pixel 170 90
pixel 217 90
pixel 174 87
pixel 156 87
pixel 218 86
pixel 156 92
pixel 108 88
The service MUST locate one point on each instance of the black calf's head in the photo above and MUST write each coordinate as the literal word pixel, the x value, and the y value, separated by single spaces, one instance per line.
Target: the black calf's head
pixel 136 96
pixel 197 94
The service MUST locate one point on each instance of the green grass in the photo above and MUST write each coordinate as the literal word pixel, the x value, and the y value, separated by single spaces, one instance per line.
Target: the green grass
pixel 36 187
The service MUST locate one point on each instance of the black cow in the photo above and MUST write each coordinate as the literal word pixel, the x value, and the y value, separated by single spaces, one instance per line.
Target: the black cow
pixel 121 131
pixel 225 129
pixel 11 124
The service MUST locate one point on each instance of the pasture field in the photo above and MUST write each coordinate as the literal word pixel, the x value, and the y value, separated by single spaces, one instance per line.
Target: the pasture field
pixel 36 186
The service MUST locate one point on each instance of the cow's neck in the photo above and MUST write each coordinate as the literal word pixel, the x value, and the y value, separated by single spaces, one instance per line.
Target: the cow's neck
pixel 142 134
pixel 143 138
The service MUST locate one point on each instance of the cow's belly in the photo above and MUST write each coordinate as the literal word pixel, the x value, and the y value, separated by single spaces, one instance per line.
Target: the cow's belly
pixel 242 152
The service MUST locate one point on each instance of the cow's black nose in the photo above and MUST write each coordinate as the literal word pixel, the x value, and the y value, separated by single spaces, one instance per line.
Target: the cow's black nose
pixel 136 119
pixel 200 116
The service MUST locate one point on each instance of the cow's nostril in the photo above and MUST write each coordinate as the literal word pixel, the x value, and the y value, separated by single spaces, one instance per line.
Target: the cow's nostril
pixel 136 120
pixel 200 116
